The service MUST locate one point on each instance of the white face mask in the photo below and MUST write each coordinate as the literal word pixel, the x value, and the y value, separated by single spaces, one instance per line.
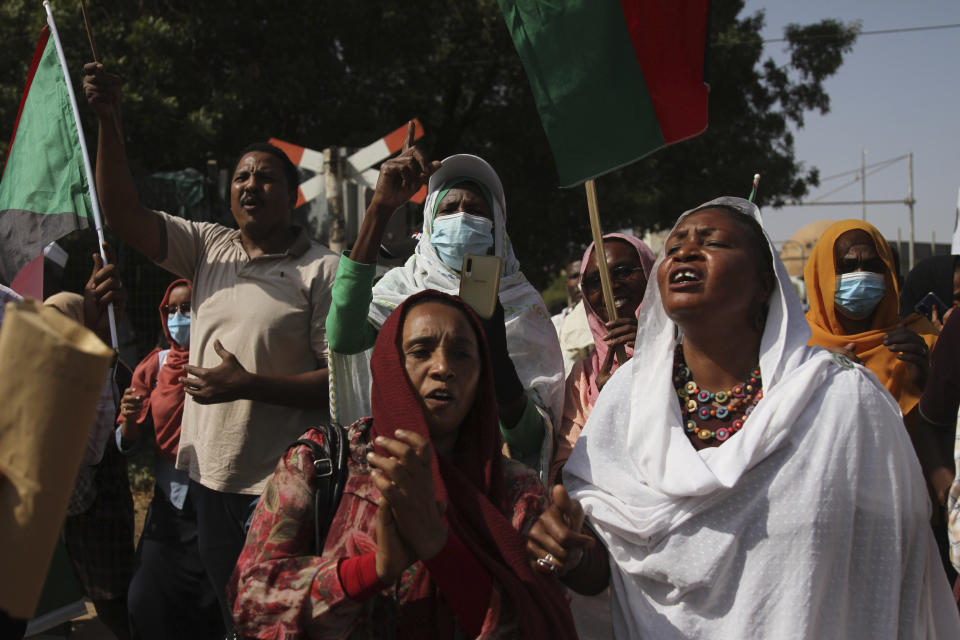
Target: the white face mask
pixel 179 326
pixel 458 234
pixel 859 293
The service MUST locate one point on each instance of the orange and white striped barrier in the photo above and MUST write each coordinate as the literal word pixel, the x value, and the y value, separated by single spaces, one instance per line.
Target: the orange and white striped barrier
pixel 382 149
pixel 357 164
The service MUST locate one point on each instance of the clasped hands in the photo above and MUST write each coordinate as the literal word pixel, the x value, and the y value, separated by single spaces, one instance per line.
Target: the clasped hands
pixel 410 524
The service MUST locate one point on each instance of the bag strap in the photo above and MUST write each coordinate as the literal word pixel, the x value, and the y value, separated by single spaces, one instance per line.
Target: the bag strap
pixel 330 463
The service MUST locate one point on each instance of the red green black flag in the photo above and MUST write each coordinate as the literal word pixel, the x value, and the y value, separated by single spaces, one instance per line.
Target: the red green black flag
pixel 613 80
pixel 43 190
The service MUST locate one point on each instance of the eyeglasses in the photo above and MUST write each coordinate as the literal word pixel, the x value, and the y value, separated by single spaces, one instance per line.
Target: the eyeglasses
pixel 183 307
pixel 620 274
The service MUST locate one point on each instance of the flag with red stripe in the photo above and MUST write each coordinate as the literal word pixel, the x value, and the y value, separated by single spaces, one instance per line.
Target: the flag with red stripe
pixel 44 193
pixel 613 80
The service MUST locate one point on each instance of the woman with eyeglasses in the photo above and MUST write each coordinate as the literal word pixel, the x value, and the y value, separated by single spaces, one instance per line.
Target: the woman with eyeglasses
pixel 629 261
pixel 169 572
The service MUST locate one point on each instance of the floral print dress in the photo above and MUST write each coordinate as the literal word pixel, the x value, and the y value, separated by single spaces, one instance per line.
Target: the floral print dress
pixel 281 590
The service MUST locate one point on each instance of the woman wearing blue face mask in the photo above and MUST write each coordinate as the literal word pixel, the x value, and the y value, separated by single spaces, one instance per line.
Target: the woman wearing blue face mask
pixel 464 213
pixel 169 573
pixel 854 310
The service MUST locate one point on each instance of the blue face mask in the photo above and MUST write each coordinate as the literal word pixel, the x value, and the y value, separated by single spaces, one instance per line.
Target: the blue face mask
pixel 458 234
pixel 179 327
pixel 859 293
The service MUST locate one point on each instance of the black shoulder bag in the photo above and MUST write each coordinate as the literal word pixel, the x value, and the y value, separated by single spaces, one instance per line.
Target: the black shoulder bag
pixel 330 462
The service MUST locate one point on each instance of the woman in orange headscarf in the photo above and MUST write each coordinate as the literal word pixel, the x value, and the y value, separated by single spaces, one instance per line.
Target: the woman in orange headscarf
pixel 854 305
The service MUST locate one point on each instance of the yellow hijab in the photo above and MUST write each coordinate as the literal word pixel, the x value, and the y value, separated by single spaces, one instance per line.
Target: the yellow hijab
pixel 820 276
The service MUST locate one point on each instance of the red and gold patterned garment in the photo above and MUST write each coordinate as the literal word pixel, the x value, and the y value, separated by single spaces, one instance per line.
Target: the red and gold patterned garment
pixel 281 591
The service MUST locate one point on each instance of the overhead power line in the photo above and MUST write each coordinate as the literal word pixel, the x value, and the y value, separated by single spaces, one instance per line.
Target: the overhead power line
pixel 869 166
pixel 875 32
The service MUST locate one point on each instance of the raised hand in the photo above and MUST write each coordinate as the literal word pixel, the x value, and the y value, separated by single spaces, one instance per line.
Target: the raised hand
pixel 102 89
pixel 401 177
pixel 131 404
pixel 555 544
pixel 405 480
pixel 222 383
pixel 102 289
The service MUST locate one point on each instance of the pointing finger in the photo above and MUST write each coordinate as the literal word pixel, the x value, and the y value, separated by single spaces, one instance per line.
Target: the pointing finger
pixel 408 141
pixel 418 157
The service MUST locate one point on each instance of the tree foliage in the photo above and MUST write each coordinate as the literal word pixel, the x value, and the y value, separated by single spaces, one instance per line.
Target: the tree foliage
pixel 204 79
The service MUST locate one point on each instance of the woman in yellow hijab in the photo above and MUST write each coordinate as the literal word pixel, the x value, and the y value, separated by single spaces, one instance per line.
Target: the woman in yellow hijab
pixel 854 305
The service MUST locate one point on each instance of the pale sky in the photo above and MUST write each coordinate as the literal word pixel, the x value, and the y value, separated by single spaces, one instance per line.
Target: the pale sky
pixel 894 94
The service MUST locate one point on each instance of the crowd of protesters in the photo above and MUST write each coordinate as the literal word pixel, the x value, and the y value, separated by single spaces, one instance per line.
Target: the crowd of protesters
pixel 696 458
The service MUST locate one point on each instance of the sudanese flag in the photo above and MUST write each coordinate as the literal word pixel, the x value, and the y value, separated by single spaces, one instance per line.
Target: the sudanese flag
pixel 613 80
pixel 44 193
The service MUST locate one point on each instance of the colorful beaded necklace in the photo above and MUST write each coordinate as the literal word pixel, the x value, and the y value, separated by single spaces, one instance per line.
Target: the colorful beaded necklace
pixel 699 405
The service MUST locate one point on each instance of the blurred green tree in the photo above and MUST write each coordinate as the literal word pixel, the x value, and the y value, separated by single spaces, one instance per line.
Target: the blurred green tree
pixel 204 79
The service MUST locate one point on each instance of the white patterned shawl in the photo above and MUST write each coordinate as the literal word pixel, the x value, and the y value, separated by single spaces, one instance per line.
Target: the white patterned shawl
pixel 810 522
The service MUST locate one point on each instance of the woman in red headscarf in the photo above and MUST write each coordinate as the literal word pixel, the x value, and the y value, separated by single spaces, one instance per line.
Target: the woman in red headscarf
pixel 170 595
pixel 429 537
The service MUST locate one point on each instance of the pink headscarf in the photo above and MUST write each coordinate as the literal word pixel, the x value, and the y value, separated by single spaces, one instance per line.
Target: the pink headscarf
pixel 594 361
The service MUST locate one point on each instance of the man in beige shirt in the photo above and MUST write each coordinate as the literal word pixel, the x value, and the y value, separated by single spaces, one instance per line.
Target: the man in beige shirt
pixel 257 378
pixel 576 339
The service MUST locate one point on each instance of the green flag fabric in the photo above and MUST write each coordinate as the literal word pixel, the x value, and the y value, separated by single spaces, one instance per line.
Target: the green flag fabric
pixel 613 80
pixel 43 191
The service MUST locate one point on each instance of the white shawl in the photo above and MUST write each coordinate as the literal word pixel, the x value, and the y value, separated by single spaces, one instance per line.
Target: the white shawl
pixel 811 522
pixel 531 338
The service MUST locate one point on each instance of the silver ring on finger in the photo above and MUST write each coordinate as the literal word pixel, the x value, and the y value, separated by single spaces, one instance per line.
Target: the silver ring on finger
pixel 547 562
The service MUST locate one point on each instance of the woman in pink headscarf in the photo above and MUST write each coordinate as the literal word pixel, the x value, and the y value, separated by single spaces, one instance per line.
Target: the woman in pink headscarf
pixel 629 261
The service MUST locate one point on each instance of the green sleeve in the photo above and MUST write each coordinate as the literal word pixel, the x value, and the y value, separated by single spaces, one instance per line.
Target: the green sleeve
pixel 348 330
pixel 525 438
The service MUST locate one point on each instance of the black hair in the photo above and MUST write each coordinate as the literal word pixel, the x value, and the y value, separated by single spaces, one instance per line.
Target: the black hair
pixel 289 169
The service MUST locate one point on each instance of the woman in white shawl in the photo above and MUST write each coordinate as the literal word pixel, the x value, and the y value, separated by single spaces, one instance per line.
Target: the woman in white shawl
pixel 808 519
pixel 464 212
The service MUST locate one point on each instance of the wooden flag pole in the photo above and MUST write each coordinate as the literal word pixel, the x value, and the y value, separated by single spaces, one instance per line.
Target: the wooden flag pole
pixel 96 58
pixel 86 23
pixel 607 286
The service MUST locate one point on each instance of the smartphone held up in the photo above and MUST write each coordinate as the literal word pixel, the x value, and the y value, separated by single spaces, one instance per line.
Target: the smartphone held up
pixel 480 283
pixel 930 302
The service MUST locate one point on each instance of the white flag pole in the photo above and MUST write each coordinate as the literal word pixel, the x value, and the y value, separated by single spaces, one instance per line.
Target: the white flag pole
pixel 91 181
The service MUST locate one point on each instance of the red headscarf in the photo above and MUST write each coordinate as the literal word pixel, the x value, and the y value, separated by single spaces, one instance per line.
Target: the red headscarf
pixel 165 400
pixel 471 485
